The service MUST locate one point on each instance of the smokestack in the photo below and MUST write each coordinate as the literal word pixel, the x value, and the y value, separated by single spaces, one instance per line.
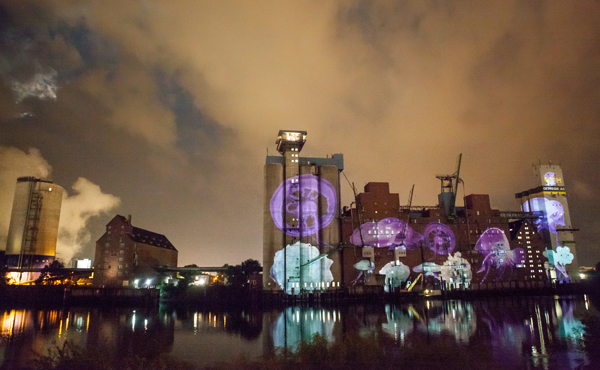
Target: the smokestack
pixel 129 219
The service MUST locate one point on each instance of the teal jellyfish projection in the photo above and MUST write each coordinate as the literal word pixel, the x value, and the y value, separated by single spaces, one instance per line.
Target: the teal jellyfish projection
pixel 559 259
pixel 395 275
pixel 316 275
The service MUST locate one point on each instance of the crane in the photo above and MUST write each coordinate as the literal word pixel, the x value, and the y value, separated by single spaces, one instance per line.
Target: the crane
pixel 449 189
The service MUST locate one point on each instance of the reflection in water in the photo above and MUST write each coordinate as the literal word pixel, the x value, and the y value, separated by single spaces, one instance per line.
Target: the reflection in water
pixel 399 322
pixel 453 317
pixel 534 333
pixel 297 324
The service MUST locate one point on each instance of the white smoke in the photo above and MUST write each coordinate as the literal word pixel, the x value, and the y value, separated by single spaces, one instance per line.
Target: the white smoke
pixel 15 163
pixel 88 201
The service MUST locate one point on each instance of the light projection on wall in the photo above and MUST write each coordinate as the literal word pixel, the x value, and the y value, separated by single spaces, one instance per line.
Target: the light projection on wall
pixel 365 267
pixel 395 275
pixel 554 214
pixel 292 260
pixel 550 179
pixel 559 259
pixel 296 324
pixel 456 270
pixel 429 269
pixel 439 238
pixel 389 232
pixel 498 255
pixel 300 200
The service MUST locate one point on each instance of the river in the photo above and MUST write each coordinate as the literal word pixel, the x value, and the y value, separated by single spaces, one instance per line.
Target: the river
pixel 520 332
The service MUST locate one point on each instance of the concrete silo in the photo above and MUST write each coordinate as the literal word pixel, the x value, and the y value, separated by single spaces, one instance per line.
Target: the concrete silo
pixel 33 229
pixel 301 233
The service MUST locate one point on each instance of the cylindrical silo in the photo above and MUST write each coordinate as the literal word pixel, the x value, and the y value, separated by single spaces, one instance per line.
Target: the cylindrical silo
pixel 33 229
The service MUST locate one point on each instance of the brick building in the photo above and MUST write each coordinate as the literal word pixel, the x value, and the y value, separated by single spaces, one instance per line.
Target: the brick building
pixel 506 244
pixel 126 253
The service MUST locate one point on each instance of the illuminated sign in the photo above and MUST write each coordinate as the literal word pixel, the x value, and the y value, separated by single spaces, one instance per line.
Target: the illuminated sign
pixel 292 136
pixel 550 179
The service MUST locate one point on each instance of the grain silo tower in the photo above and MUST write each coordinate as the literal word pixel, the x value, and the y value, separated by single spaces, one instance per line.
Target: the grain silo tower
pixel 33 229
pixel 301 230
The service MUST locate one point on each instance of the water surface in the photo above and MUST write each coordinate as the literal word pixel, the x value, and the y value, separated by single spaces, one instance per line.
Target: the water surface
pixel 523 332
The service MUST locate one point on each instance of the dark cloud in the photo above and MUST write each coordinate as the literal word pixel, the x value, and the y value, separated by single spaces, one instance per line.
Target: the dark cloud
pixel 170 107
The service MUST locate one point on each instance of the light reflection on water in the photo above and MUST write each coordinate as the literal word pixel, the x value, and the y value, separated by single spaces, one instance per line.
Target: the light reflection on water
pixel 516 332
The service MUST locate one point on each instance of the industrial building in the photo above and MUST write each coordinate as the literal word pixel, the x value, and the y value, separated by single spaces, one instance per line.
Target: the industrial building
pixel 126 253
pixel 33 229
pixel 449 246
pixel 550 198
pixel 310 244
pixel 301 218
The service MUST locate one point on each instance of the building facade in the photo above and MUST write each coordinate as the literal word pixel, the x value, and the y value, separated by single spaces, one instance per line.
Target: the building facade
pixel 301 226
pixel 388 244
pixel 550 198
pixel 126 253
pixel 33 230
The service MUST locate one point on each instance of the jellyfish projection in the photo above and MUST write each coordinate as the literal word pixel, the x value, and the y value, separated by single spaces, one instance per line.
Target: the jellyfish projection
pixel 456 270
pixel 395 275
pixel 389 232
pixel 297 270
pixel 365 267
pixel 306 198
pixel 559 260
pixel 439 238
pixel 554 213
pixel 429 269
pixel 498 255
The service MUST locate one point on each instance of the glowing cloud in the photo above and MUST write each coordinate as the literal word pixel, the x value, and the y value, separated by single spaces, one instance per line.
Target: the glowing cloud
pixel 41 86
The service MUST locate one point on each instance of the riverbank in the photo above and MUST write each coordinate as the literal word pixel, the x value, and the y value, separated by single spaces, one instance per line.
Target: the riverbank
pixel 224 296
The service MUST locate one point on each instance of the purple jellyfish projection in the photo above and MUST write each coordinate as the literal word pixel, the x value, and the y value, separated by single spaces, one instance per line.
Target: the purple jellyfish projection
pixel 554 213
pixel 498 255
pixel 440 238
pixel 389 232
pixel 302 195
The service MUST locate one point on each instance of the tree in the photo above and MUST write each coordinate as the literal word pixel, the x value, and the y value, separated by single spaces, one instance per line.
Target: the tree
pixel 52 272
pixel 238 275
pixel 3 276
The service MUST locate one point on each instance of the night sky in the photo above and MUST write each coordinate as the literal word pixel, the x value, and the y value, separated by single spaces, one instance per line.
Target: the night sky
pixel 165 109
